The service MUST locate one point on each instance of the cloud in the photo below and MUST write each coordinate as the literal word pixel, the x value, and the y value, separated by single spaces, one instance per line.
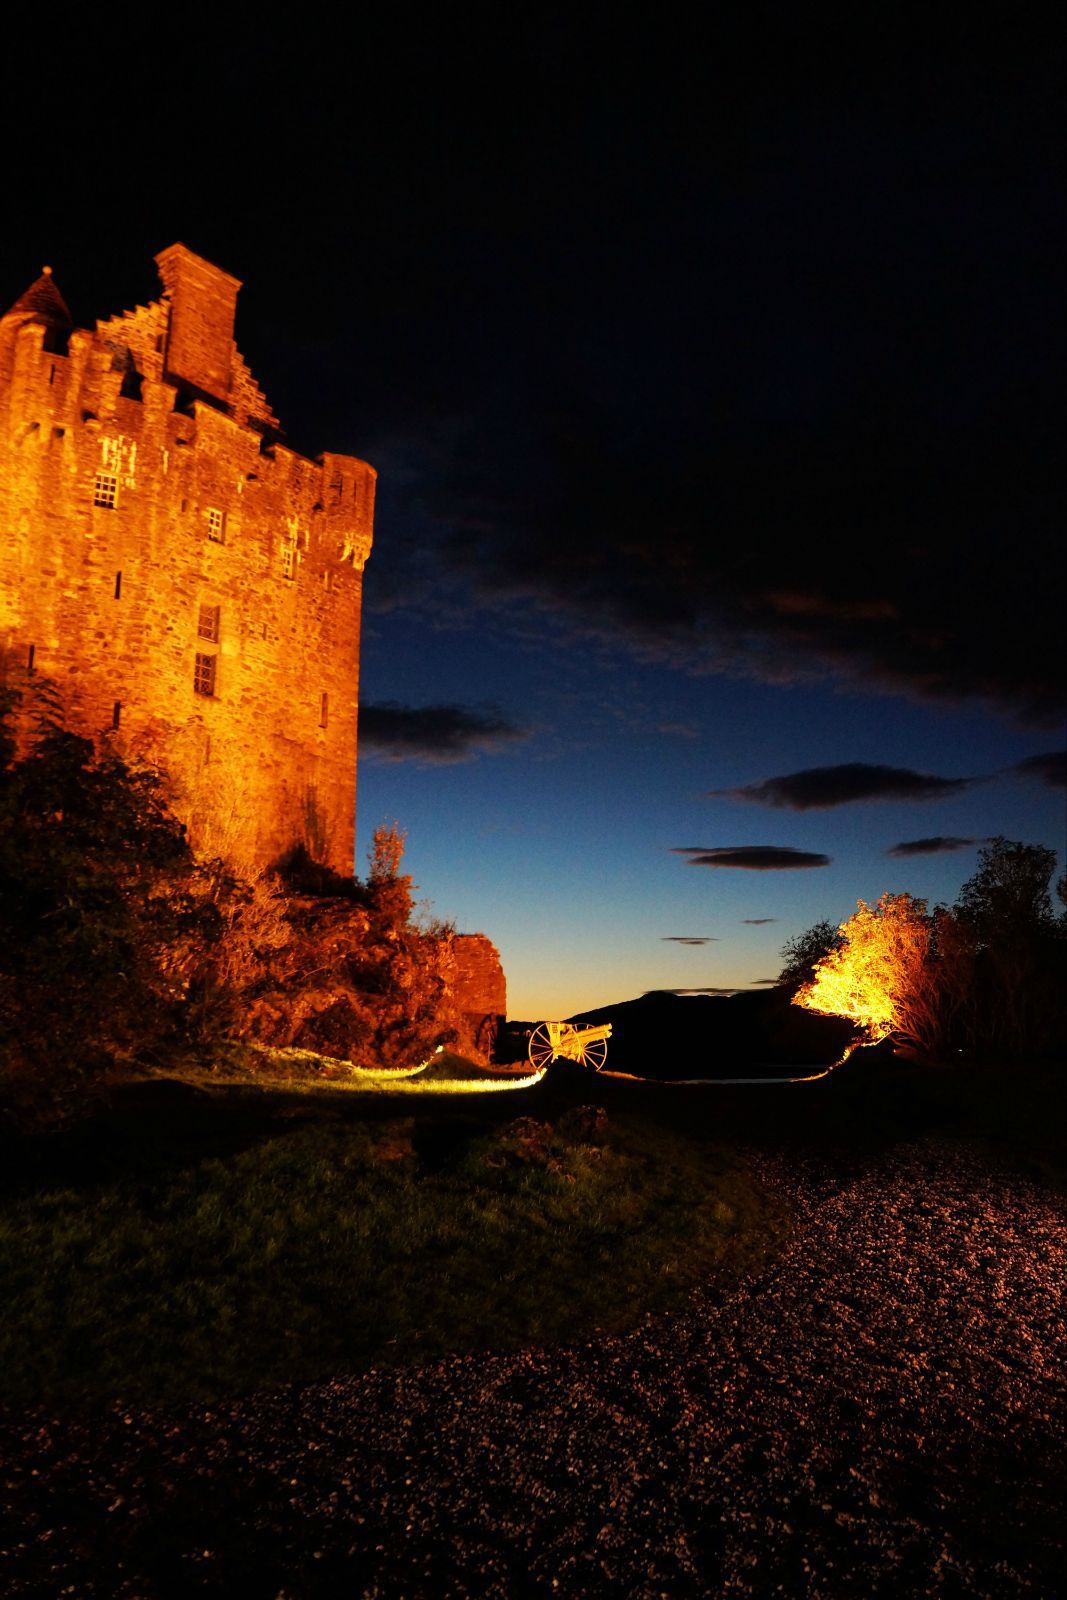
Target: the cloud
pixel 771 553
pixel 682 992
pixel 930 847
pixel 758 922
pixel 438 734
pixel 680 730
pixel 846 477
pixel 1050 768
pixel 751 857
pixel 684 938
pixel 818 788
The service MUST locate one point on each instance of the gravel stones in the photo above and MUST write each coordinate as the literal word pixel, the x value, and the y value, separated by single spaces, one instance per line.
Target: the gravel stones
pixel 880 1414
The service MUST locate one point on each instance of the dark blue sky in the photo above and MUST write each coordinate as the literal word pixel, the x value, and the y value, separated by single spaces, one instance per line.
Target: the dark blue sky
pixel 715 382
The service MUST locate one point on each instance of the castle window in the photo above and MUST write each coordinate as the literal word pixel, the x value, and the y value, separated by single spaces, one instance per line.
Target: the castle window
pixel 216 525
pixel 29 658
pixel 327 579
pixel 116 713
pixel 204 674
pixel 105 490
pixel 324 709
pixel 288 561
pixel 118 586
pixel 208 626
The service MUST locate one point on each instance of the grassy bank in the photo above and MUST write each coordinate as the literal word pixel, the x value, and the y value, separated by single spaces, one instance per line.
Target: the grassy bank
pixel 323 1247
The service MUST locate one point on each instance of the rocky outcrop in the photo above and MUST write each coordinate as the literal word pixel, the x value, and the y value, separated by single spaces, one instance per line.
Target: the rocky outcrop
pixel 335 980
pixel 335 975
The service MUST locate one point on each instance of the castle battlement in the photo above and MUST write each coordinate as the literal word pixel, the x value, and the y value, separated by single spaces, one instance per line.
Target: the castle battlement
pixel 189 583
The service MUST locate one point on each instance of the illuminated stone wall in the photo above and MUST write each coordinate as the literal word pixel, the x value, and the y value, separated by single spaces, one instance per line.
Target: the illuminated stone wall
pixel 479 988
pixel 158 537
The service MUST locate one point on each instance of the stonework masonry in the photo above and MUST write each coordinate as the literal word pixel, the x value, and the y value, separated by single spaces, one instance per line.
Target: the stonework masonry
pixel 190 584
pixel 479 988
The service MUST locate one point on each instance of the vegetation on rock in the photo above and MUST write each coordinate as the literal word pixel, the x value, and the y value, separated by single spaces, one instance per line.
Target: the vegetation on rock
pixel 117 945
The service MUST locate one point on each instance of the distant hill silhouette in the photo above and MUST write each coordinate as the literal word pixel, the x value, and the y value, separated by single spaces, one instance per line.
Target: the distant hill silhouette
pixel 759 1032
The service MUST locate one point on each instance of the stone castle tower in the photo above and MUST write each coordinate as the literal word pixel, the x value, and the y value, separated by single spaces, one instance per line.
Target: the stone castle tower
pixel 186 580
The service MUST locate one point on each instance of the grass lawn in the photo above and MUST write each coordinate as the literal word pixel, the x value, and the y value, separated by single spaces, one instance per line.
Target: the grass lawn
pixel 340 1240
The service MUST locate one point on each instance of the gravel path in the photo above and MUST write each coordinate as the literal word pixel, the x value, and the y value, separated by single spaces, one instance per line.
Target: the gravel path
pixel 880 1414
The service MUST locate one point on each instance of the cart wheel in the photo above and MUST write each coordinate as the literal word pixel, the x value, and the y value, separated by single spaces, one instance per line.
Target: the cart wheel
pixel 541 1052
pixel 594 1054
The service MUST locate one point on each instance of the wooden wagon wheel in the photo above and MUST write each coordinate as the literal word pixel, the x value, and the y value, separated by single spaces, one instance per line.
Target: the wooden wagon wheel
pixel 541 1051
pixel 594 1054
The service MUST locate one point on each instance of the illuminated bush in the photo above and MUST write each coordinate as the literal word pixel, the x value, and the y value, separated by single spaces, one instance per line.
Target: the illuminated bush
pixel 982 980
pixel 881 975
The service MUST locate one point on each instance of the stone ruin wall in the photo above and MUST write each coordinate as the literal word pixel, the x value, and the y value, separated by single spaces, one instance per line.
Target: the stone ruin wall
pixel 479 988
pixel 215 527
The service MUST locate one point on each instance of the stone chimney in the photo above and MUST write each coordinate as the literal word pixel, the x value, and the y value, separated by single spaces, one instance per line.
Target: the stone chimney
pixel 202 300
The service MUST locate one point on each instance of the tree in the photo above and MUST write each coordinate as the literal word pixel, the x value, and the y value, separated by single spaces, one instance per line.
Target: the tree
pixel 100 914
pixel 388 889
pixel 1005 910
pixel 1008 897
pixel 884 974
pixel 803 953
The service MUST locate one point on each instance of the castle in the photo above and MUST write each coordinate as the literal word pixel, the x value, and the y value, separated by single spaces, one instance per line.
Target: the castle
pixel 189 583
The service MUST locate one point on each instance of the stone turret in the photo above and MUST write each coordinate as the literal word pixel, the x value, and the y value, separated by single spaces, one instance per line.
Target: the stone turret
pixel 42 304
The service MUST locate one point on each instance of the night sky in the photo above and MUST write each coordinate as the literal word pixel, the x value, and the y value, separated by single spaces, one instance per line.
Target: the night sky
pixel 714 379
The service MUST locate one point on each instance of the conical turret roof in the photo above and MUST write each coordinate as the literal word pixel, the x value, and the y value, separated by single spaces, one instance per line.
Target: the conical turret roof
pixel 42 299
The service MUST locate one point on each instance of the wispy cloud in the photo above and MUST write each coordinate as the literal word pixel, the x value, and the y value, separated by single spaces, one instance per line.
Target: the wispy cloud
pixel 685 938
pixel 1050 768
pixel 751 857
pixel 437 734
pixel 760 599
pixel 940 844
pixel 758 922
pixel 707 990
pixel 819 788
